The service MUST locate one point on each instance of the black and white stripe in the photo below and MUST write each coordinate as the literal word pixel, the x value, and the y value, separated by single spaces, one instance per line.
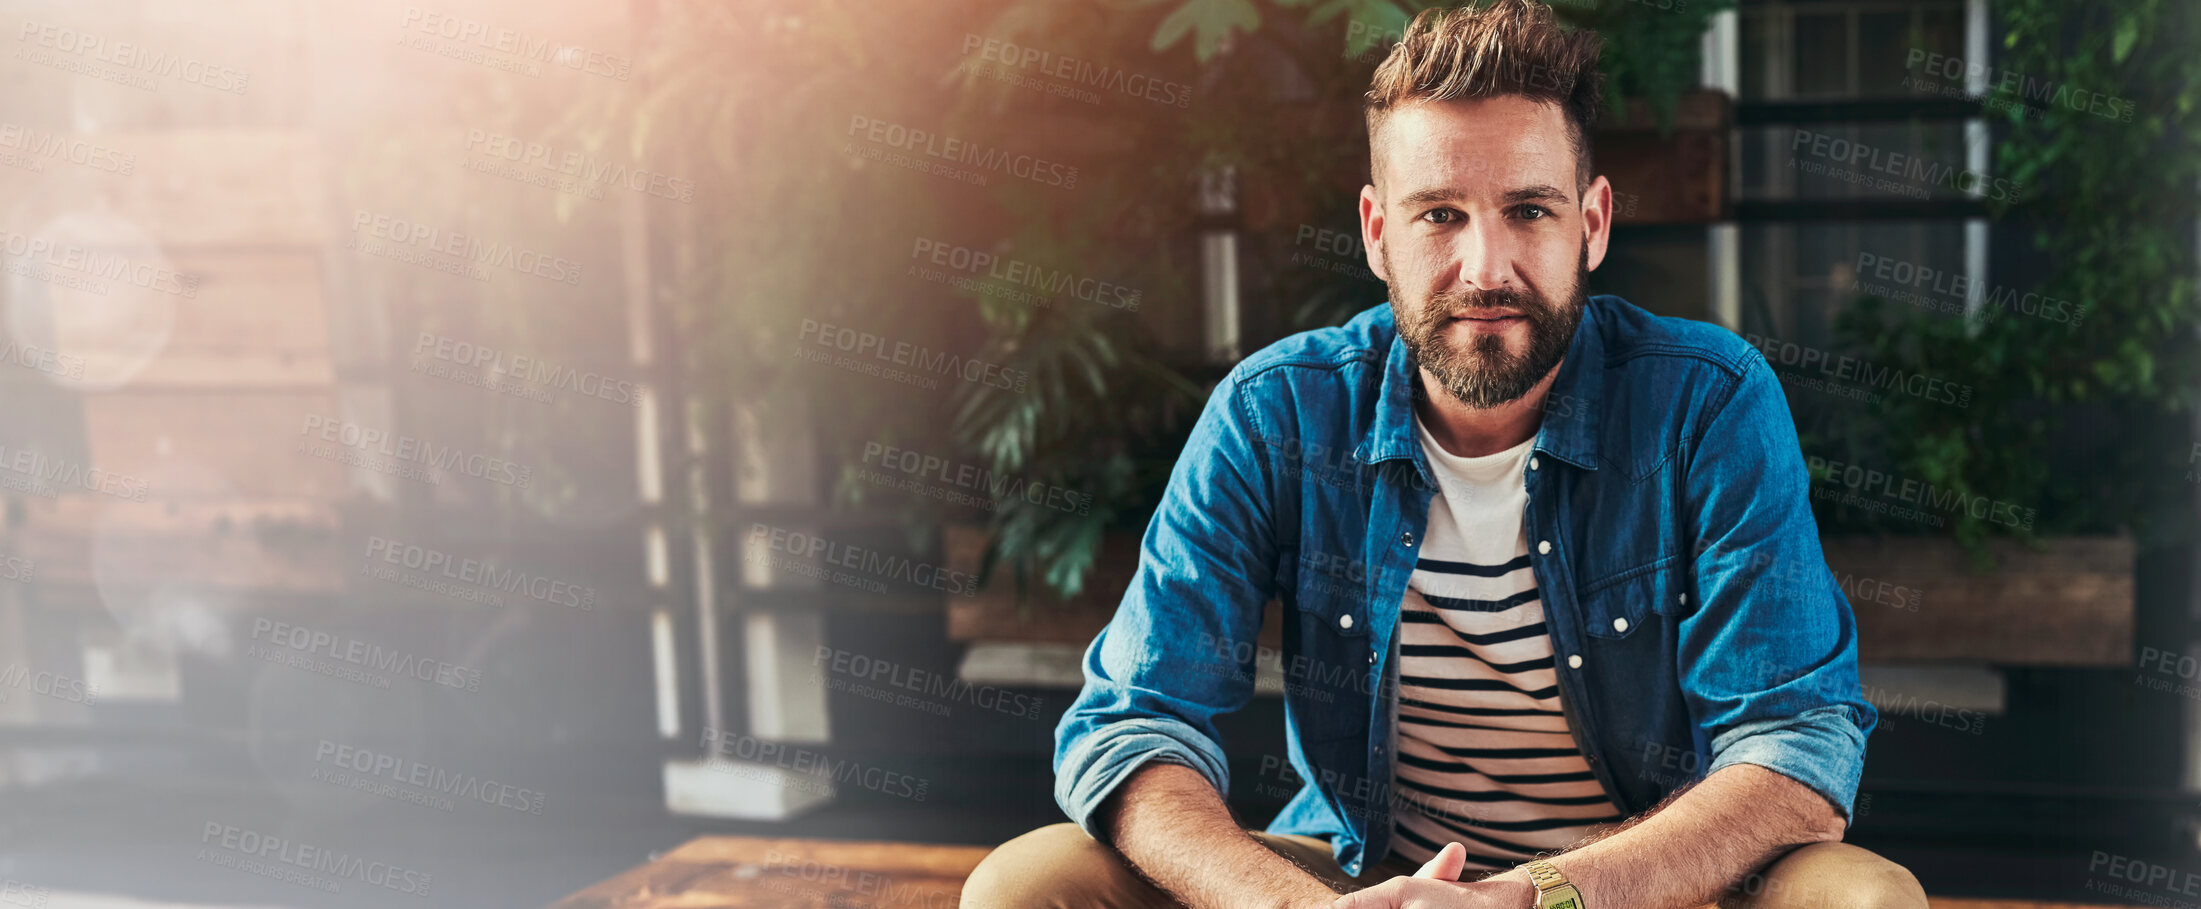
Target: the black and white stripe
pixel 1484 753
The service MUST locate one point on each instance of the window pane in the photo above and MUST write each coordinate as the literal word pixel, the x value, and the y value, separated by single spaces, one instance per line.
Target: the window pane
pixel 1891 161
pixel 1822 249
pixel 1754 144
pixel 1889 239
pixel 1883 44
pixel 1798 276
pixel 1757 37
pixel 1941 30
pixel 1822 55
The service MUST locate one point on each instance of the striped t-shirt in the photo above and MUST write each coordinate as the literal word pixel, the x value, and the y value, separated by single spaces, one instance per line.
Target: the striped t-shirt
pixel 1484 755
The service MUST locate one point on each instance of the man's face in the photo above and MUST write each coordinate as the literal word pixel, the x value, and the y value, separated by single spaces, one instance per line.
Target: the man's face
pixel 1483 239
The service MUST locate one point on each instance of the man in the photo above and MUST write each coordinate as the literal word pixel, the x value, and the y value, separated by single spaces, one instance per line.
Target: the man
pixel 1544 561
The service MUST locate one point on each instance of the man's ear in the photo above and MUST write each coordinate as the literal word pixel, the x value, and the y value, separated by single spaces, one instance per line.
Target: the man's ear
pixel 1371 230
pixel 1597 220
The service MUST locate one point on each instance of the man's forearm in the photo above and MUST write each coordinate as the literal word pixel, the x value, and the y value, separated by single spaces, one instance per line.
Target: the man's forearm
pixel 1173 827
pixel 1686 854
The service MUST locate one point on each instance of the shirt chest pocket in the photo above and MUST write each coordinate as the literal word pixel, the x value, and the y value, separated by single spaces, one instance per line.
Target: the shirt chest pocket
pixel 1332 603
pixel 1617 606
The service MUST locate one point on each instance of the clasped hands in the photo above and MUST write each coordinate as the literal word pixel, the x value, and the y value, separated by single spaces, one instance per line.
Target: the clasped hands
pixel 1438 886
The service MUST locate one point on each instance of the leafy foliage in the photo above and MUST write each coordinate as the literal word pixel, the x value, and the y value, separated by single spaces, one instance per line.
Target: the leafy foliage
pixel 2075 421
pixel 1651 48
pixel 755 102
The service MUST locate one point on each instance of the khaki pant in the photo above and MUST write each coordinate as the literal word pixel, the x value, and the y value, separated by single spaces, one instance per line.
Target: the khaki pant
pixel 1060 867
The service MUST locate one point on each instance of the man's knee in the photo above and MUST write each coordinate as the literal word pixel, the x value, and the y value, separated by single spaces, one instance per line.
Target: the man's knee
pixel 1829 876
pixel 1058 865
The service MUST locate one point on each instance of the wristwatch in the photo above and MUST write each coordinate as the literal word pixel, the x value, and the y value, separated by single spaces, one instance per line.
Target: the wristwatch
pixel 1552 889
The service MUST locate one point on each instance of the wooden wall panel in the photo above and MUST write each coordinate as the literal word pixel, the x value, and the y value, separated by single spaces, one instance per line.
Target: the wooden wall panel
pixel 215 445
pixel 240 544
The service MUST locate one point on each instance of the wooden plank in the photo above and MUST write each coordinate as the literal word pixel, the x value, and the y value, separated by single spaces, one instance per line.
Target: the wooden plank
pixel 249 320
pixel 190 445
pixel 78 515
pixel 259 370
pixel 997 614
pixel 253 301
pixel 1677 179
pixel 768 873
pixel 228 187
pixel 206 188
pixel 926 857
pixel 257 545
pixel 2070 605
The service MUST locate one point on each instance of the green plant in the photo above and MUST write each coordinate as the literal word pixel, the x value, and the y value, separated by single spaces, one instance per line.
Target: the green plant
pixel 2075 421
pixel 789 230
pixel 754 103
pixel 1651 47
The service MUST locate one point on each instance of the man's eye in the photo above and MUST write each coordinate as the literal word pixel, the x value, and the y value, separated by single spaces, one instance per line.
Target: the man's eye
pixel 1533 212
pixel 1439 216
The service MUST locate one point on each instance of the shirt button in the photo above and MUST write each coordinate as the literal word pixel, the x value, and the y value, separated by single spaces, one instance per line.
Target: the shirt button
pixel 1407 538
pixel 1532 462
pixel 1574 661
pixel 1543 547
pixel 1685 599
pixel 1371 656
pixel 1620 624
pixel 1344 621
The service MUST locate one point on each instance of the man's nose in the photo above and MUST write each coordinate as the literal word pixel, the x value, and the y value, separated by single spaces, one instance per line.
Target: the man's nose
pixel 1485 253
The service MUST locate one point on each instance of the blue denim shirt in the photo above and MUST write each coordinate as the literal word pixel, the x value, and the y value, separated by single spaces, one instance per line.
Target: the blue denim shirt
pixel 1693 619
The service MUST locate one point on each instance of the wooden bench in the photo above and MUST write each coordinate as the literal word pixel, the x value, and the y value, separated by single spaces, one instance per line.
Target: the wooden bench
pixel 765 873
pixel 741 871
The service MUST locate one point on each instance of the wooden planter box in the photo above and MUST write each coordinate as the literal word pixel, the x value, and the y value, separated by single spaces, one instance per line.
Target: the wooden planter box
pixel 2068 605
pixel 996 614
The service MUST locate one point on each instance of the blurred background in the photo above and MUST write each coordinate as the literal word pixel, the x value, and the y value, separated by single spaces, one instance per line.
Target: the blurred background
pixel 455 453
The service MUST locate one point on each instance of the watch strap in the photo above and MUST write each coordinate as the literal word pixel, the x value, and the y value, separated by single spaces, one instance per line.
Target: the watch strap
pixel 1553 891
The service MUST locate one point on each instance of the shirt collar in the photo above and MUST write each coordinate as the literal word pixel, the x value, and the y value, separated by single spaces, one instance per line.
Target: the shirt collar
pixel 1570 408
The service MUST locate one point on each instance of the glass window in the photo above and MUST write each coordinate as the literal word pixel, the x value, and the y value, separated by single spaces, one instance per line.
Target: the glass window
pixel 1798 271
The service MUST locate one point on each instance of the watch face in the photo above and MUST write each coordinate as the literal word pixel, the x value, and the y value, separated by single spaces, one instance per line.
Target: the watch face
pixel 1564 902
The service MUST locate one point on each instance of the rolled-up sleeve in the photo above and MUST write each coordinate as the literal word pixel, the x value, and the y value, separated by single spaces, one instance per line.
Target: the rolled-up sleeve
pixel 1178 651
pixel 1768 660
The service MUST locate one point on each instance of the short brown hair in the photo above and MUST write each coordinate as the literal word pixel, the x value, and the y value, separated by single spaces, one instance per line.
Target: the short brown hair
pixel 1501 47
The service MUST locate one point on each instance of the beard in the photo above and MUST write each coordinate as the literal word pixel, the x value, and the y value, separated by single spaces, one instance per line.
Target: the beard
pixel 1483 374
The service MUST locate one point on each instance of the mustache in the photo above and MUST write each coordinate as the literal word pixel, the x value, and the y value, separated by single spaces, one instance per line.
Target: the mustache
pixel 1452 303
